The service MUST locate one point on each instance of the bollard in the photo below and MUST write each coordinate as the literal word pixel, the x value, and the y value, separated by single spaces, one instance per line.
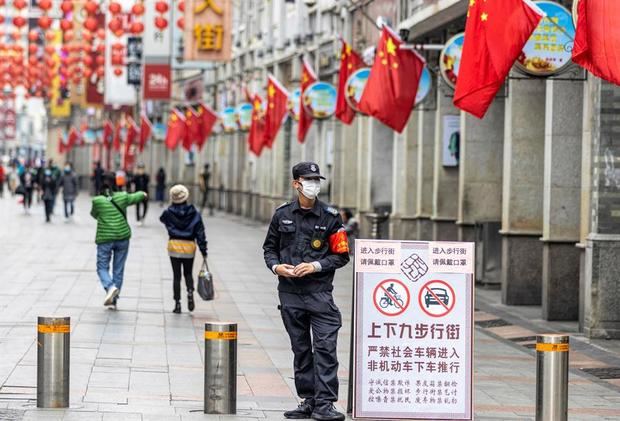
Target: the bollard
pixel 220 368
pixel 552 377
pixel 53 349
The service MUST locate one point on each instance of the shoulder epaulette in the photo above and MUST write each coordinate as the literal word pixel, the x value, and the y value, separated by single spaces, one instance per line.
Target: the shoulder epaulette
pixel 283 205
pixel 331 210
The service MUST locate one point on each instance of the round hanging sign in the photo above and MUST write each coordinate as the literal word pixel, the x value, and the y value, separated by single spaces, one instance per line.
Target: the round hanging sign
pixel 549 49
pixel 355 87
pixel 244 114
pixel 319 100
pixel 293 104
pixel 424 87
pixel 229 119
pixel 450 59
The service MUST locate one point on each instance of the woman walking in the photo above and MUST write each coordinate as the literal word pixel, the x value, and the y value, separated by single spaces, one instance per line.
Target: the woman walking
pixel 185 230
pixel 69 184
pixel 48 193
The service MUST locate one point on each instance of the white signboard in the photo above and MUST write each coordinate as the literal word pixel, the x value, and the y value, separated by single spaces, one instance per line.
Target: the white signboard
pixel 117 91
pixel 157 42
pixel 413 330
pixel 451 140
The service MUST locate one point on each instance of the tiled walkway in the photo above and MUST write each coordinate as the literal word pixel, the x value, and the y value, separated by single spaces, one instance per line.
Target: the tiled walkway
pixel 144 363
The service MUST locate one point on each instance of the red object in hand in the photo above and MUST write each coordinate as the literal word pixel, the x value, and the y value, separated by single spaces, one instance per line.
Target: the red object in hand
pixel 339 243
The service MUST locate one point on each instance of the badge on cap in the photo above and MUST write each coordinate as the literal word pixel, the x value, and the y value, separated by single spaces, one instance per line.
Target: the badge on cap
pixel 313 168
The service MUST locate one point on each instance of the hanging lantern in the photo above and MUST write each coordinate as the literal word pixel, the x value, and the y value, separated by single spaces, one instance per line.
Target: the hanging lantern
pixel 44 4
pixel 1 19
pixel 88 61
pixel 19 21
pixel 101 33
pixel 45 22
pixel 138 9
pixel 181 23
pixel 100 71
pixel 87 36
pixel 20 4
pixel 100 60
pixel 66 25
pixel 50 35
pixel 118 72
pixel 88 73
pixel 68 36
pixel 91 24
pixel 49 50
pixel 161 23
pixel 66 7
pixel 33 35
pixel 137 28
pixel 181 6
pixel 161 7
pixel 100 49
pixel 33 60
pixel 51 63
pixel 32 49
pixel 115 8
pixel 91 7
pixel 115 25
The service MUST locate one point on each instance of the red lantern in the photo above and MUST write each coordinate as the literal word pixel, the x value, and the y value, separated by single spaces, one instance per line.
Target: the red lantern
pixel 101 33
pixel 161 6
pixel 182 6
pixel 68 36
pixel 161 23
pixel 100 49
pixel 91 24
pixel 33 35
pixel 66 6
pixel 1 19
pixel 181 23
pixel 100 71
pixel 118 72
pixel 19 21
pixel 88 61
pixel 51 63
pixel 33 60
pixel 32 49
pixel 16 34
pixel 115 8
pixel 45 4
pixel 49 50
pixel 100 60
pixel 66 25
pixel 2 2
pixel 138 9
pixel 91 7
pixel 88 73
pixel 137 28
pixel 117 60
pixel 45 22
pixel 115 24
pixel 20 4
pixel 50 36
pixel 88 36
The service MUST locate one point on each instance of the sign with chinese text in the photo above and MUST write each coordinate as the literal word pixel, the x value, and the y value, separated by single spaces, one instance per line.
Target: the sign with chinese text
pixel 208 30
pixel 548 51
pixel 229 119
pixel 244 113
pixel 293 103
pixel 319 100
pixel 450 59
pixel 413 330
pixel 157 81
pixel 355 87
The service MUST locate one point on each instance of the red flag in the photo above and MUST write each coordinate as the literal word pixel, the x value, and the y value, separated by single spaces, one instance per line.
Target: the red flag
pixel 176 129
pixel 108 133
pixel 495 34
pixel 597 38
pixel 61 145
pixel 390 92
pixel 145 131
pixel 277 101
pixel 192 133
pixel 208 119
pixel 72 139
pixel 257 128
pixel 350 61
pixel 116 142
pixel 130 139
pixel 308 77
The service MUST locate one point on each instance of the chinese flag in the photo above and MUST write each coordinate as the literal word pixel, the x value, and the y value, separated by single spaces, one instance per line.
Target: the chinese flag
pixel 116 142
pixel 108 133
pixel 132 132
pixel 72 139
pixel 192 133
pixel 277 99
pixel 208 119
pixel 176 129
pixel 597 38
pixel 390 92
pixel 145 131
pixel 257 129
pixel 308 77
pixel 61 145
pixel 350 61
pixel 495 34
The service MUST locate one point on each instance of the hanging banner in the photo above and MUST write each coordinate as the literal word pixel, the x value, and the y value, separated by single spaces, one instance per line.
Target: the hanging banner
pixel 157 37
pixel 244 116
pixel 450 59
pixel 425 86
pixel 355 87
pixel 229 119
pixel 549 49
pixel 413 330
pixel 157 82
pixel 319 100
pixel 208 30
pixel 293 104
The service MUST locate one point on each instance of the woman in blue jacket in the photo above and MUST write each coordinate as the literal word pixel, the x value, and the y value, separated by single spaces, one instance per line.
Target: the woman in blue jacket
pixel 185 231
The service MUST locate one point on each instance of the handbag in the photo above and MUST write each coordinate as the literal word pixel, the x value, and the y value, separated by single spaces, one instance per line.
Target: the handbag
pixel 205 283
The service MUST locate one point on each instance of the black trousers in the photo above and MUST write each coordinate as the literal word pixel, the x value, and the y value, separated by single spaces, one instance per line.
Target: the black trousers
pixel 69 208
pixel 141 208
pixel 186 265
pixel 49 209
pixel 312 322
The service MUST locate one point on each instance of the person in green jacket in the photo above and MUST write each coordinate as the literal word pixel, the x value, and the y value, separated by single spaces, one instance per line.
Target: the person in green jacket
pixel 109 208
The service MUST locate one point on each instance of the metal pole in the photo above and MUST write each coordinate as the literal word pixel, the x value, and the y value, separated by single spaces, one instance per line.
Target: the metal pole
pixel 220 368
pixel 552 377
pixel 53 349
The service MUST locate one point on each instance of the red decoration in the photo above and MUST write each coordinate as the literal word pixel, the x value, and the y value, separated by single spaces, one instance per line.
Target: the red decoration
pixel 118 72
pixel 33 48
pixel 115 25
pixel 101 33
pixel 33 35
pixel 19 21
pixel 138 9
pixel 91 24
pixel 161 6
pixel 100 71
pixel 45 22
pixel 91 7
pixel 115 8
pixel 182 6
pixel 20 4
pixel 100 60
pixel 137 28
pixel 181 23
pixel 45 4
pixel 66 6
pixel 161 23
pixel 66 25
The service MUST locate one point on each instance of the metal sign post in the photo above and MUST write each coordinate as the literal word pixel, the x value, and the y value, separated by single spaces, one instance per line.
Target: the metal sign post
pixel 53 349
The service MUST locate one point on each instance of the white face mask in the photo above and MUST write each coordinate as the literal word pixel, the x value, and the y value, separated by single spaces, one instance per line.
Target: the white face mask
pixel 310 188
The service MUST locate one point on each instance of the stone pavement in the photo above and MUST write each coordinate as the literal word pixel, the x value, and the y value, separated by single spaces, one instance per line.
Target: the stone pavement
pixel 144 363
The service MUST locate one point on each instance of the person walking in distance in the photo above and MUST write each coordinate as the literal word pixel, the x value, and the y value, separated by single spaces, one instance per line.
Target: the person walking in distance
pixel 69 184
pixel 97 177
pixel 141 183
pixel 48 193
pixel 304 246
pixel 185 231
pixel 28 184
pixel 109 208
pixel 160 186
pixel 205 177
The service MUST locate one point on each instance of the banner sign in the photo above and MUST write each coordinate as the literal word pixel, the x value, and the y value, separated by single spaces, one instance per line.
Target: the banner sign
pixel 450 59
pixel 293 104
pixel 117 91
pixel 157 81
pixel 244 114
pixel 229 119
pixel 549 49
pixel 355 87
pixel 319 100
pixel 413 330
pixel 157 39
pixel 425 86
pixel 208 30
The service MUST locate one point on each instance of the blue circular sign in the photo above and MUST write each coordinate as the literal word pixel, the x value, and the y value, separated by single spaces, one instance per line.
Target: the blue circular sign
pixel 229 119
pixel 450 59
pixel 319 100
pixel 549 49
pixel 293 103
pixel 424 86
pixel 355 87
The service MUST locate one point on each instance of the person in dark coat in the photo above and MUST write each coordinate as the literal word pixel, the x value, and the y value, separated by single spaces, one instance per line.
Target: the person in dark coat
pixel 185 231
pixel 69 184
pixel 140 182
pixel 98 177
pixel 160 186
pixel 48 190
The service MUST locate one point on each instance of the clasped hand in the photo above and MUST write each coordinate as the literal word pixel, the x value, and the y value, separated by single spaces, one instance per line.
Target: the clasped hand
pixel 290 271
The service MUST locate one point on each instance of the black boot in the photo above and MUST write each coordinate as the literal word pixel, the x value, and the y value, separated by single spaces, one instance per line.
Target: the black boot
pixel 303 411
pixel 327 412
pixel 190 301
pixel 177 307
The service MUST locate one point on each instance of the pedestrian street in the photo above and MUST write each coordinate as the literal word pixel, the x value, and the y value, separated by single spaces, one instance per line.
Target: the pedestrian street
pixel 142 362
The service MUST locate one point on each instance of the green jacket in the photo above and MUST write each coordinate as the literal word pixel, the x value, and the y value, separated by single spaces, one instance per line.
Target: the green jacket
pixel 111 224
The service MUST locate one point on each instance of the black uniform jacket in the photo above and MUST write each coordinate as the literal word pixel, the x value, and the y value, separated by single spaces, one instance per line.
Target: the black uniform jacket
pixel 296 236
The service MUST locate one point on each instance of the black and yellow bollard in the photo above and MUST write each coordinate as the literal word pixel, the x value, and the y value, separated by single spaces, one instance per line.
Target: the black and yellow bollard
pixel 53 349
pixel 220 393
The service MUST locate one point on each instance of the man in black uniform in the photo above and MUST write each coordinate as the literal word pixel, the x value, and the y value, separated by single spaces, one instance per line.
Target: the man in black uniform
pixel 305 245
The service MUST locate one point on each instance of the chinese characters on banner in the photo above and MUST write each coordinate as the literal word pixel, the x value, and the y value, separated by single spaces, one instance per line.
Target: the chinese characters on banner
pixel 208 26
pixel 413 330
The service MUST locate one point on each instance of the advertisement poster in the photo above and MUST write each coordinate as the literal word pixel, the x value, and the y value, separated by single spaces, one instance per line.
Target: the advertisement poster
pixel 413 330
pixel 157 82
pixel 451 140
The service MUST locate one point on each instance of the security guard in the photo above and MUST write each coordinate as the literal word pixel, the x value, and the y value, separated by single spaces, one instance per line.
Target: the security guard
pixel 305 245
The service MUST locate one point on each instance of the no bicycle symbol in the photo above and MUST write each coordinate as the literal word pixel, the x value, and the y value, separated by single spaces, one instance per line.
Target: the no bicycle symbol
pixel 436 298
pixel 391 297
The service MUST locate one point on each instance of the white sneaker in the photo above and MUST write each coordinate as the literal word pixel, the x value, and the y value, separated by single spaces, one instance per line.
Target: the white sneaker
pixel 110 296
